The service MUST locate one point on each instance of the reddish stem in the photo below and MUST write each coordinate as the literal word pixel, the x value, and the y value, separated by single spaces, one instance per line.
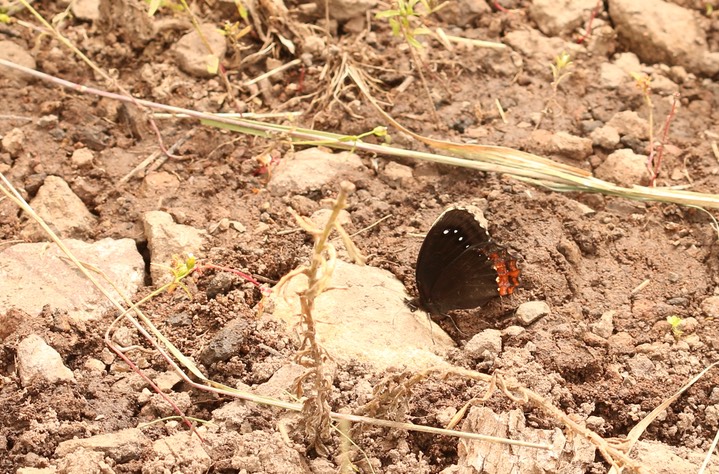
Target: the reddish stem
pixel 588 29
pixel 655 157
pixel 500 7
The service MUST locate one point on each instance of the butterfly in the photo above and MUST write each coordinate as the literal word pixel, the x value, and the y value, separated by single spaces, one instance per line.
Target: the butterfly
pixel 460 267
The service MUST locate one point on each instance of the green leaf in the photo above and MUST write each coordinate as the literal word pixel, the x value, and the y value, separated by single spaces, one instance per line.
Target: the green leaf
pixel 213 64
pixel 386 14
pixel 153 7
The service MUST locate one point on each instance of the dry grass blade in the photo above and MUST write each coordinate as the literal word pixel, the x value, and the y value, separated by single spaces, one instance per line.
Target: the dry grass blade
pixel 640 427
pixel 520 165
pixel 541 171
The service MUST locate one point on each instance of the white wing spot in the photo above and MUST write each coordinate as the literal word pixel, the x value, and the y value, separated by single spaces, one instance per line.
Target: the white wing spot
pixel 455 231
pixel 445 232
pixel 461 238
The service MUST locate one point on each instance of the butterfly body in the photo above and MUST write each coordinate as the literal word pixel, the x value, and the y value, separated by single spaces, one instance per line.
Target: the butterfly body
pixel 460 267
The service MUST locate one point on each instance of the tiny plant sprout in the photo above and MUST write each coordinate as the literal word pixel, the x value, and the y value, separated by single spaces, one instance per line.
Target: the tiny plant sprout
pixel 674 321
pixel 560 68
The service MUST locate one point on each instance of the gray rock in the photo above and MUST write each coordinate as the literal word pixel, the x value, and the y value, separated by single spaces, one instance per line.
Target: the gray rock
pixel 641 367
pixel 343 10
pixel 398 174
pixel 660 458
pixel 557 18
pixel 281 382
pixel 606 137
pixel 363 331
pixel 621 343
pixel 267 452
pixel 624 167
pixel 61 209
pixel 121 446
pixel 513 331
pixel 612 76
pixel 15 53
pixel 661 32
pixel 463 13
pixel 191 50
pixel 320 217
pixel 82 157
pixel 311 169
pixel 575 454
pixel 710 307
pixel 14 141
pixel 488 341
pixel 84 461
pixel 38 363
pixel 629 123
pixel 34 275
pixel 531 311
pixel 538 49
pixel 180 449
pixel 166 240
pixel 627 62
pixel 561 144
pixel 226 343
pixel 86 9
pixel 605 326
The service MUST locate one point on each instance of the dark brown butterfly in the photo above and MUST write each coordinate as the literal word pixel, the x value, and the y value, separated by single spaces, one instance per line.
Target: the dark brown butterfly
pixel 460 267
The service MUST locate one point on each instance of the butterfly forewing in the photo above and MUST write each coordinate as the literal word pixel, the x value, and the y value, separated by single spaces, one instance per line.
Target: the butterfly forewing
pixel 468 282
pixel 452 234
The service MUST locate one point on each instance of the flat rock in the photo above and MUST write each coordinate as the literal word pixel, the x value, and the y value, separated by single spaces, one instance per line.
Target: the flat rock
pixel 61 209
pixel 34 275
pixel 398 174
pixel 344 10
pixel 192 54
pixel 538 49
pixel 266 452
pixel 84 461
pixel 629 124
pixel 660 458
pixel 560 144
pixel 612 76
pixel 710 307
pixel 572 455
pixel 180 452
pixel 362 316
pixel 556 18
pixel 488 341
pixel 606 137
pixel 86 9
pixel 531 311
pixel 14 142
pixel 624 167
pixel 463 13
pixel 120 446
pixel 311 169
pixel 662 32
pixel 167 240
pixel 38 362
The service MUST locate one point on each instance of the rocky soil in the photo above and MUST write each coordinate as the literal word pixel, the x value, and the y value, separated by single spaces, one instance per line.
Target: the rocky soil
pixel 618 303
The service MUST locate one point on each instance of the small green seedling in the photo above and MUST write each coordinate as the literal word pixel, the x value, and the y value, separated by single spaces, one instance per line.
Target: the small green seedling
pixel 560 69
pixel 674 321
pixel 180 269
pixel 401 19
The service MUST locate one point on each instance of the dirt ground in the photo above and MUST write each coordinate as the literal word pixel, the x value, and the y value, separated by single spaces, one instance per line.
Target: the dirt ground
pixel 585 255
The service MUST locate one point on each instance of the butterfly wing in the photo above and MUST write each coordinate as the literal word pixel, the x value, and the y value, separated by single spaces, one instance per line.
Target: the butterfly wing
pixel 453 233
pixel 472 279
